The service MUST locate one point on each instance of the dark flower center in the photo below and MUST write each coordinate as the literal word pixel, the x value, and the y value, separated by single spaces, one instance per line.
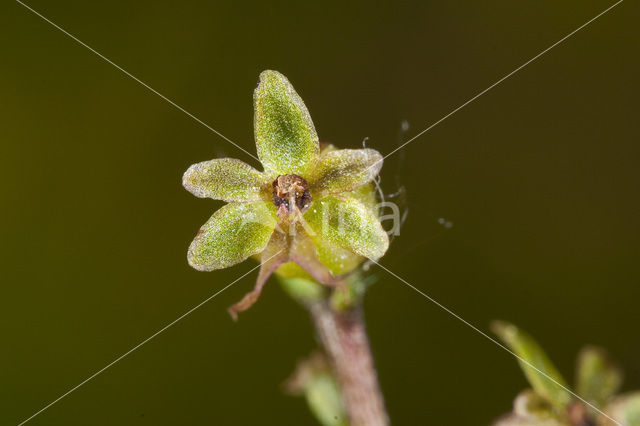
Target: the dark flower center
pixel 288 189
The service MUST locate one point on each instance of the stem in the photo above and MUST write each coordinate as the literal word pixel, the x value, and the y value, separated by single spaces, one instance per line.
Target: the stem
pixel 344 338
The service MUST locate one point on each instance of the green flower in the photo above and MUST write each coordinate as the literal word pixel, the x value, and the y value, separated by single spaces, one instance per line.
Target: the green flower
pixel 310 211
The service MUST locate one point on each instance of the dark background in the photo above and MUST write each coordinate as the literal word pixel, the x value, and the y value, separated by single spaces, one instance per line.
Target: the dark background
pixel 539 178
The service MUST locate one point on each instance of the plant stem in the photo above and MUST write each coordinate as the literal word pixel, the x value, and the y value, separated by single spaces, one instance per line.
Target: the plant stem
pixel 343 335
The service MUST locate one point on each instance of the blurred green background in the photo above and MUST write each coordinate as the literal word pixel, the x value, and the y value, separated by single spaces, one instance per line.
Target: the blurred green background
pixel 539 178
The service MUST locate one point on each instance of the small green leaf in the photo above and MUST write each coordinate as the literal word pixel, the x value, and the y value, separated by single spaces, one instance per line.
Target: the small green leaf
pixel 345 222
pixel 345 170
pixel 225 179
pixel 314 379
pixel 233 233
pixel 324 399
pixel 598 377
pixel 537 367
pixel 286 139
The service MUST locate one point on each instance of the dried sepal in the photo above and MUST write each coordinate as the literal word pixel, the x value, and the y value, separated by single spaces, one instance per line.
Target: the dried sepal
pixel 231 235
pixel 347 223
pixel 286 139
pixel 225 179
pixel 345 170
pixel 275 254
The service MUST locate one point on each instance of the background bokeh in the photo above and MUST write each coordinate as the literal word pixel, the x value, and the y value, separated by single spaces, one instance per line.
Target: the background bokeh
pixel 539 178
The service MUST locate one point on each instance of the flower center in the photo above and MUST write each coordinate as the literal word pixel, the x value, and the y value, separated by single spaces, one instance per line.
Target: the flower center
pixel 289 190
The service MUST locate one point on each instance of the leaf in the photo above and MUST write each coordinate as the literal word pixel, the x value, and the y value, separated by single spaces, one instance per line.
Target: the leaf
pixel 345 170
pixel 231 235
pixel 225 179
pixel 314 379
pixel 598 377
pixel 286 139
pixel 537 367
pixel 325 400
pixel 345 222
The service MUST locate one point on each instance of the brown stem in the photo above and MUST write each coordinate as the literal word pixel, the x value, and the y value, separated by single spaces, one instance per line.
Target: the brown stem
pixel 345 340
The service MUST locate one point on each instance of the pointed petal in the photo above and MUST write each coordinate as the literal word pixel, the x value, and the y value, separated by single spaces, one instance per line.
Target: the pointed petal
pixel 346 223
pixel 345 170
pixel 536 365
pixel 275 254
pixel 285 137
pixel 225 179
pixel 337 259
pixel 233 233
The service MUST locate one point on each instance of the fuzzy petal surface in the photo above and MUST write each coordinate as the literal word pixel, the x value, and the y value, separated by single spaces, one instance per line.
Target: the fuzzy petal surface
pixel 345 170
pixel 225 179
pixel 231 235
pixel 286 139
pixel 347 223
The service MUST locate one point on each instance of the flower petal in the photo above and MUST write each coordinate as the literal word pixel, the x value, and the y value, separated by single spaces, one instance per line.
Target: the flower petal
pixel 345 170
pixel 347 223
pixel 233 233
pixel 225 179
pixel 286 140
pixel 337 259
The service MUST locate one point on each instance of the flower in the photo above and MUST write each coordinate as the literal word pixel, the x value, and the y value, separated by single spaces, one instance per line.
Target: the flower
pixel 310 211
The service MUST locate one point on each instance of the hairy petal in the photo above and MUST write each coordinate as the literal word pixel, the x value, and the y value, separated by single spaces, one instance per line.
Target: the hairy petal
pixel 345 170
pixel 337 259
pixel 233 233
pixel 286 140
pixel 225 179
pixel 347 223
